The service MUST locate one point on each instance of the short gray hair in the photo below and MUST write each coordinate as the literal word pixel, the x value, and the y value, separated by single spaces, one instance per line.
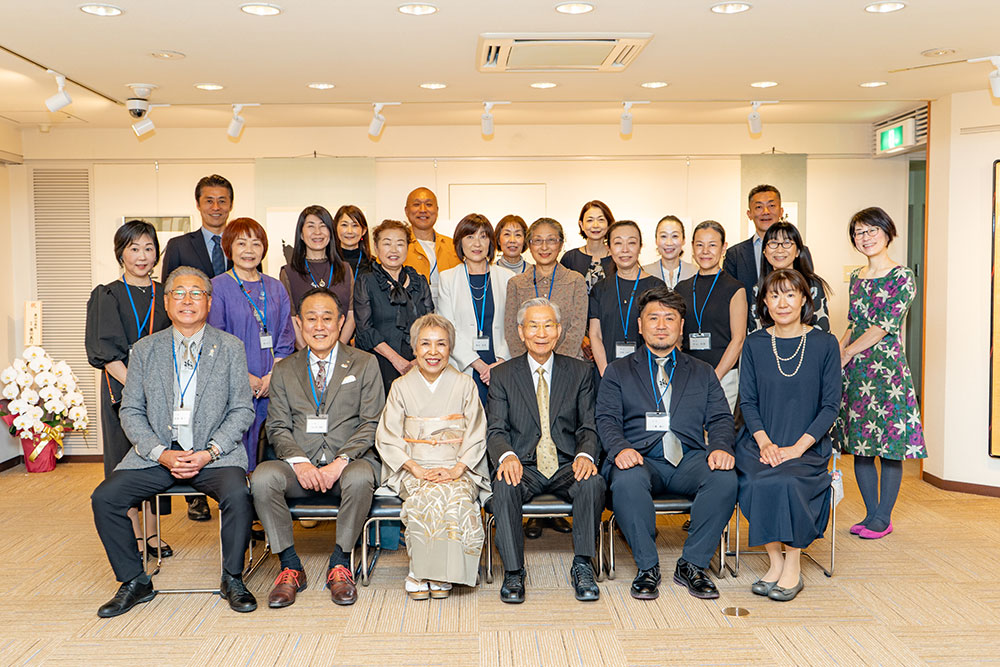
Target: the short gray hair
pixel 182 271
pixel 432 320
pixel 537 302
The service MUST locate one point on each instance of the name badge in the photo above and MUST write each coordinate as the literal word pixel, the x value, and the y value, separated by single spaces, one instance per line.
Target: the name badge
pixel 317 424
pixel 266 342
pixel 657 421
pixel 481 344
pixel 700 341
pixel 623 348
pixel 182 418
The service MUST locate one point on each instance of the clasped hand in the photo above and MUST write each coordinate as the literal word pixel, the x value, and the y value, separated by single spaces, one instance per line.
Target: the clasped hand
pixel 436 474
pixel 773 455
pixel 182 464
pixel 319 479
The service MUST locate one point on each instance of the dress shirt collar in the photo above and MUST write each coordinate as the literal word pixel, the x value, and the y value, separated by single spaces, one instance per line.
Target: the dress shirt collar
pixel 195 338
pixel 533 366
pixel 314 362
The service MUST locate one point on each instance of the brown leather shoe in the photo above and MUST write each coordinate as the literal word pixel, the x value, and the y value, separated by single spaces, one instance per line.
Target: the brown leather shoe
pixel 340 581
pixel 288 583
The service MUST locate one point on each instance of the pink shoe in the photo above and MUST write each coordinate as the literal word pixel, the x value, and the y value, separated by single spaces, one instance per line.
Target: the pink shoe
pixel 857 528
pixel 872 535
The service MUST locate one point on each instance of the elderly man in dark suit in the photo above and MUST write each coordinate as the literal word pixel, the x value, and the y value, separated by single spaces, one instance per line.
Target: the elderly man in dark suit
pixel 202 249
pixel 539 444
pixel 654 409
pixel 185 406
pixel 326 400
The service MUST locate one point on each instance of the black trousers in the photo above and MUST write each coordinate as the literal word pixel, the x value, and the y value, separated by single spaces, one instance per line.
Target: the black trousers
pixel 588 504
pixel 632 492
pixel 128 488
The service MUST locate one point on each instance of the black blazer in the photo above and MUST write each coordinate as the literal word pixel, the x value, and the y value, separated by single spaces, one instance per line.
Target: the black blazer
pixel 189 250
pixel 697 405
pixel 512 410
pixel 741 264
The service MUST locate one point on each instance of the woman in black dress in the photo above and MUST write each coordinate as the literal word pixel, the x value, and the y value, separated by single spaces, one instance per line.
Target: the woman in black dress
pixel 782 249
pixel 790 389
pixel 388 300
pixel 118 315
pixel 352 239
pixel 614 301
pixel 593 261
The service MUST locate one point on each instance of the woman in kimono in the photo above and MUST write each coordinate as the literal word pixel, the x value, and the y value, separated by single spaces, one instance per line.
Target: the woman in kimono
pixel 432 440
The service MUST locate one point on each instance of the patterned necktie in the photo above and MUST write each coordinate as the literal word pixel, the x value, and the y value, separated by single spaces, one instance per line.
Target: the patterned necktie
pixel 187 352
pixel 545 453
pixel 218 259
pixel 321 377
pixel 672 449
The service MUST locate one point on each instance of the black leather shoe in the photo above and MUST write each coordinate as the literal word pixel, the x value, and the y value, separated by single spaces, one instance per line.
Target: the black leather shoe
pixel 695 579
pixel 129 595
pixel 686 526
pixel 235 592
pixel 164 548
pixel 560 525
pixel 512 591
pixel 582 575
pixel 646 584
pixel 533 529
pixel 198 509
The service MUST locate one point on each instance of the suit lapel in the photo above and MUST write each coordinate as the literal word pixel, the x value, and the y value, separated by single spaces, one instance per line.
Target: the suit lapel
pixel 206 363
pixel 198 245
pixel 343 367
pixel 300 361
pixel 527 388
pixel 167 375
pixel 682 373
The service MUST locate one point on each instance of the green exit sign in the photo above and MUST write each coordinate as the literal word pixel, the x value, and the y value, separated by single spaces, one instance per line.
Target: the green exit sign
pixel 891 138
pixel 896 138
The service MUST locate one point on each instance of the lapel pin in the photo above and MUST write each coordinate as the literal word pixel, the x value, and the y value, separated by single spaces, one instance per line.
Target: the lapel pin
pixel 212 351
pixel 345 365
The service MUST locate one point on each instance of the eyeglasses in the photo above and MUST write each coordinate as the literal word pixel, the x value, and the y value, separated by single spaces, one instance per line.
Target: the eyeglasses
pixel 871 233
pixel 548 241
pixel 533 327
pixel 774 245
pixel 195 294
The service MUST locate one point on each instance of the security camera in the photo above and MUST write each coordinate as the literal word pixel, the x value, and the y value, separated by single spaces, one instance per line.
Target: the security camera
pixel 137 107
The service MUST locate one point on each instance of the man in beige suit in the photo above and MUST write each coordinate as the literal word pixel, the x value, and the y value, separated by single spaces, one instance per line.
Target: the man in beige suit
pixel 326 401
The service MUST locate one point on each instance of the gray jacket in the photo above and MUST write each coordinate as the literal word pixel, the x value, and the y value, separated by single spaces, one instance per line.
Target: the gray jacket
pixel 222 408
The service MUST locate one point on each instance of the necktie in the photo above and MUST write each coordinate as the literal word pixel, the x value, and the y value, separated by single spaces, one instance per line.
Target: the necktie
pixel 218 259
pixel 321 378
pixel 545 453
pixel 187 352
pixel 672 450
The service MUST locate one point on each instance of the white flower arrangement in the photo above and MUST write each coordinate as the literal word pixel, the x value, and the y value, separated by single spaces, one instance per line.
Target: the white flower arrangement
pixel 42 398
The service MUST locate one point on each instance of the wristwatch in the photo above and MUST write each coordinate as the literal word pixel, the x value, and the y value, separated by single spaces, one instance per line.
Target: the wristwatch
pixel 214 452
pixel 345 457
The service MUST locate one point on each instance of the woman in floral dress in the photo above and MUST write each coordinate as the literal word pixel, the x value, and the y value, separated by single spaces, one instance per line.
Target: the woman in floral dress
pixel 879 414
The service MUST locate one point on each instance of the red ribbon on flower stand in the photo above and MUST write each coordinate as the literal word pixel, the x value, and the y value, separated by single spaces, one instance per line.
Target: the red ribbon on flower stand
pixel 40 452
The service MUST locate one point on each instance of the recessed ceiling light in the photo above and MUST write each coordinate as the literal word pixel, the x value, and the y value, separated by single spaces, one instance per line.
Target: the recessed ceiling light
pixel 417 9
pixel 654 84
pixel 872 84
pixel 764 84
pixel 318 85
pixel 884 7
pixel 574 7
pixel 432 85
pixel 730 7
pixel 167 55
pixel 937 53
pixel 208 86
pixel 543 84
pixel 261 9
pixel 102 9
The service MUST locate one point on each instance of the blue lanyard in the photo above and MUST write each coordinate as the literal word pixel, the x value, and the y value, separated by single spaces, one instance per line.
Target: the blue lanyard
pixel 357 267
pixel 481 315
pixel 534 279
pixel 657 395
pixel 694 298
pixel 628 316
pixel 149 313
pixel 329 280
pixel 177 372
pixel 312 381
pixel 261 316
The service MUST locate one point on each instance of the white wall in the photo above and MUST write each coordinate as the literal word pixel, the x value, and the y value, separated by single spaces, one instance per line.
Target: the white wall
pixel 9 447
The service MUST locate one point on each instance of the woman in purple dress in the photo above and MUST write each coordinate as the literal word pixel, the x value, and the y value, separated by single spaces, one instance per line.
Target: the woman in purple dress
pixel 254 308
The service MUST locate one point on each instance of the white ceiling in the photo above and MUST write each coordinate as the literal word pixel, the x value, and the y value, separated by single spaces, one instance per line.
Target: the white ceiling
pixel 818 51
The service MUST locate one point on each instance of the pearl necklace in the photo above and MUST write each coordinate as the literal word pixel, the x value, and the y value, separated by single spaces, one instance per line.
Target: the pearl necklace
pixel 800 352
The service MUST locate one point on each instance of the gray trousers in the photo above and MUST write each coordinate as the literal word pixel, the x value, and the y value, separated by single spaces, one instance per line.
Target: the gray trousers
pixel 274 482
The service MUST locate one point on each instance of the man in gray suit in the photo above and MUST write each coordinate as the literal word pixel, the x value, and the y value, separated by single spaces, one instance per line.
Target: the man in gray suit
pixel 184 408
pixel 326 401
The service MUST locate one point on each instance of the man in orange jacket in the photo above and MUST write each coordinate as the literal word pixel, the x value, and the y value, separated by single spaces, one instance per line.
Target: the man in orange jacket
pixel 429 252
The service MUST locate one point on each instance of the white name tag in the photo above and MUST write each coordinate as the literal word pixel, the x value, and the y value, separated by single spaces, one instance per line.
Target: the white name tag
pixel 481 344
pixel 317 424
pixel 266 342
pixel 182 417
pixel 700 341
pixel 657 421
pixel 623 348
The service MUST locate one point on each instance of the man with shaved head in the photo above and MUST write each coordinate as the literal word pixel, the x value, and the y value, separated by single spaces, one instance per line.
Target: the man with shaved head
pixel 429 252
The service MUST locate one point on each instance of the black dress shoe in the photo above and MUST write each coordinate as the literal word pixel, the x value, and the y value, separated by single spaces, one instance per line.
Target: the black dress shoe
pixel 512 591
pixel 129 595
pixel 686 526
pixel 694 578
pixel 236 593
pixel 645 586
pixel 198 509
pixel 560 525
pixel 163 550
pixel 533 529
pixel 584 585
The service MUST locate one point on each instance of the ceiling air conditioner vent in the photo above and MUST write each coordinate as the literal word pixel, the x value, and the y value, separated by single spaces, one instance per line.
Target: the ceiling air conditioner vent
pixel 559 52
